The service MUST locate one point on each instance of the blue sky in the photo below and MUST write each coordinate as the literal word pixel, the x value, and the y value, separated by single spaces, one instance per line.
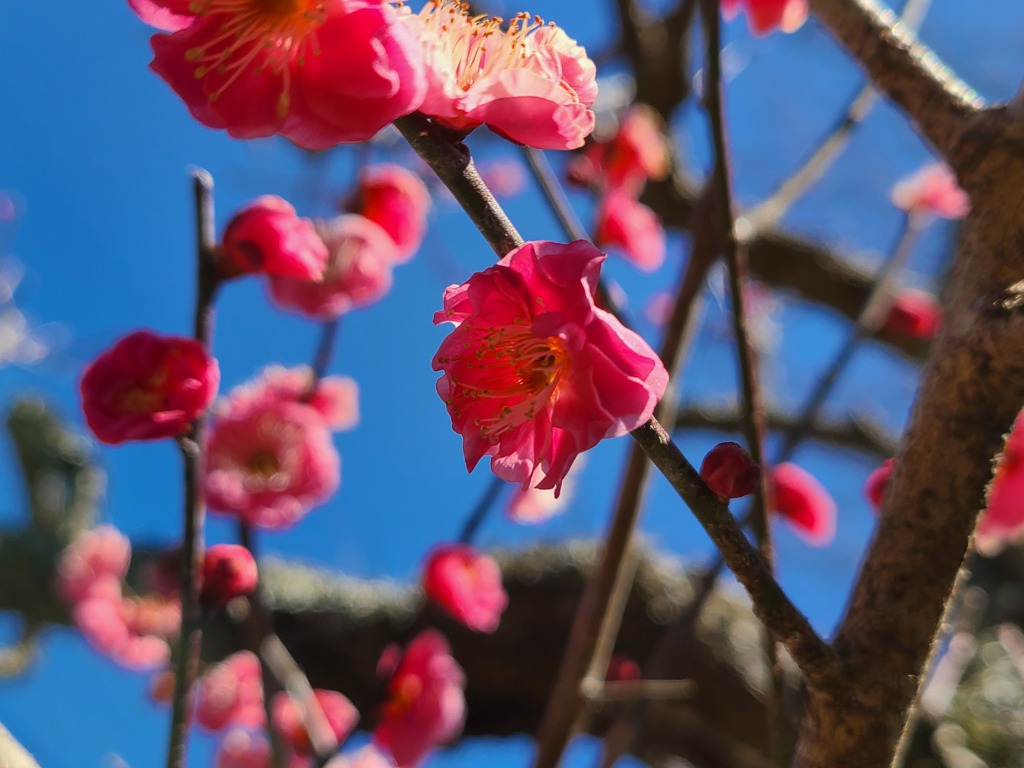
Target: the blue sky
pixel 96 150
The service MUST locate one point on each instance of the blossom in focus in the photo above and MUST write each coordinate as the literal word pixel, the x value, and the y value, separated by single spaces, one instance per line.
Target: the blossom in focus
pixel 395 199
pixel 287 715
pixel 804 503
pixel 764 16
pixel 530 83
pixel 466 584
pixel 914 314
pixel 534 372
pixel 358 272
pixel 319 72
pixel 230 693
pixel 243 748
pixel 877 482
pixel 147 387
pixel 729 471
pixel 1002 521
pixel 267 236
pixel 336 398
pixel 426 706
pixel 932 190
pixel 630 226
pixel 269 462
pixel 93 558
pixel 229 571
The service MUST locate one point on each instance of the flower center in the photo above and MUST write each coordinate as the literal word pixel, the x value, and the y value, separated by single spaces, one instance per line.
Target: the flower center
pixel 476 46
pixel 265 34
pixel 510 376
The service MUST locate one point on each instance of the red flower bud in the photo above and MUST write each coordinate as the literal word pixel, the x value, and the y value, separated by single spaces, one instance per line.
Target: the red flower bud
pixel 229 571
pixel 729 471
pixel 874 487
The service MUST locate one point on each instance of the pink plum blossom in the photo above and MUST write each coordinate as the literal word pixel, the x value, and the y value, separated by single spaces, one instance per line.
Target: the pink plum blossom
pixel 932 190
pixel 804 503
pixel 876 484
pixel 534 372
pixel 467 585
pixel 231 694
pixel 367 757
pixel 534 505
pixel 336 398
pixel 426 706
pixel 147 387
pixel 638 151
pixel 339 713
pixel 269 462
pixel 729 471
pixel 764 16
pixel 914 314
pixel 229 571
pixel 530 83
pixel 243 748
pixel 133 632
pixel 397 200
pixel 267 236
pixel 1002 521
pixel 319 72
pixel 630 226
pixel 93 558
pixel 358 271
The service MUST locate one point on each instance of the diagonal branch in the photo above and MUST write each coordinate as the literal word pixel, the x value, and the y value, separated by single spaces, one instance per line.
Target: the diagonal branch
pixel 940 105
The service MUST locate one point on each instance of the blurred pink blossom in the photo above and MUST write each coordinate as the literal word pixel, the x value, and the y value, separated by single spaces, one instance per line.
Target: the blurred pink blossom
pixel 933 190
pixel 287 714
pixel 804 503
pixel 631 227
pixel 914 314
pixel 358 271
pixel 764 16
pixel 98 555
pixel 229 571
pixel 336 398
pixel 466 584
pixel 395 199
pixel 1002 521
pixel 231 694
pixel 877 482
pixel 267 236
pixel 426 706
pixel 243 748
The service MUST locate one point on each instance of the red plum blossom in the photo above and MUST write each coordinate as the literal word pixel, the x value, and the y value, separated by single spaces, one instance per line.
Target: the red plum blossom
pixel 358 271
pixel 914 314
pixel 764 16
pixel 147 387
pixel 534 372
pixel 426 706
pixel 395 199
pixel 530 83
pixel 1002 521
pixel 268 237
pixel 877 482
pixel 319 72
pixel 626 224
pixel 467 585
pixel 804 503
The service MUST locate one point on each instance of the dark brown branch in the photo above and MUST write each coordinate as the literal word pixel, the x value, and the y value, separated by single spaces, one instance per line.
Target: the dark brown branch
pixel 854 432
pixel 940 105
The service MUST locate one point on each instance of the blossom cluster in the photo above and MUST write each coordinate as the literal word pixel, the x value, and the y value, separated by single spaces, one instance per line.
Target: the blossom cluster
pixel 325 72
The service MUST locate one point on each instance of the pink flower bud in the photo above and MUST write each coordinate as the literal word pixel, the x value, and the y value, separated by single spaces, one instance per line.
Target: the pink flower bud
pixel 396 200
pixel 877 482
pixel 268 237
pixel 914 315
pixel 229 571
pixel 763 16
pixel 803 502
pixel 729 471
pixel 287 715
pixel 467 585
pixel 147 387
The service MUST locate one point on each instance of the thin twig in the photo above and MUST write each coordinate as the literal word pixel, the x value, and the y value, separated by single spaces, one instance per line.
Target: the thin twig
pixel 328 333
pixel 479 514
pixel 767 213
pixel 191 443
pixel 637 690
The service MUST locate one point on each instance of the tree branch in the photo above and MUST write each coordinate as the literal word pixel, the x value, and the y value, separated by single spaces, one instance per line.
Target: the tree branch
pixel 940 105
